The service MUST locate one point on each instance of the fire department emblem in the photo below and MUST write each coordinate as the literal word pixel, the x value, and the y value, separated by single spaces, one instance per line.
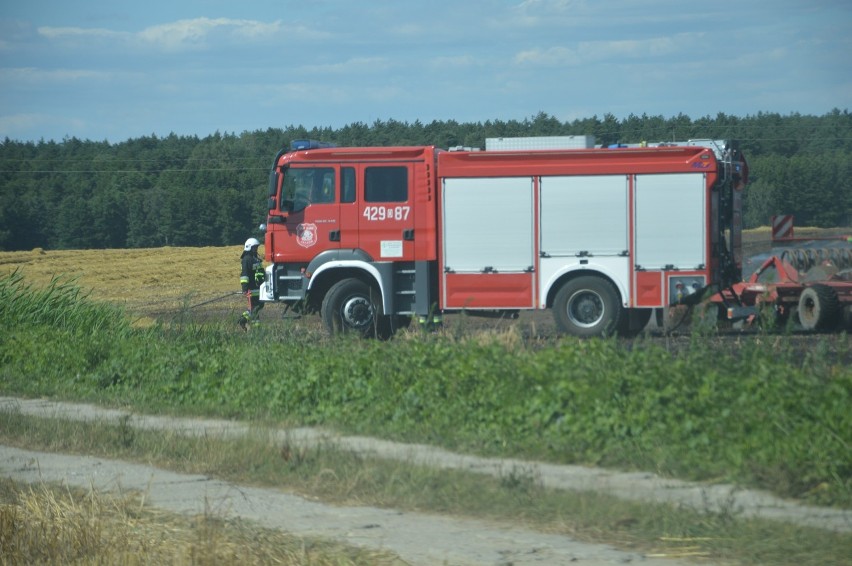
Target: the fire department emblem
pixel 306 235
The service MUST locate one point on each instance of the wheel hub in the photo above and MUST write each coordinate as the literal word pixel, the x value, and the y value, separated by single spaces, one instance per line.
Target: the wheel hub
pixel 585 309
pixel 357 312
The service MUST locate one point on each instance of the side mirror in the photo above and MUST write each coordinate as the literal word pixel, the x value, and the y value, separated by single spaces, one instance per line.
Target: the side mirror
pixel 273 183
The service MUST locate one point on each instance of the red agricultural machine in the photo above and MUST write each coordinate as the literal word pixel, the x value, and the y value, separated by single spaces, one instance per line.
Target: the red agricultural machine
pixel 806 281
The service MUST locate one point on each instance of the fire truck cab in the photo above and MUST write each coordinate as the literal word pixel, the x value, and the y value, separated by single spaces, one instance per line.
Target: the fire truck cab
pixel 373 237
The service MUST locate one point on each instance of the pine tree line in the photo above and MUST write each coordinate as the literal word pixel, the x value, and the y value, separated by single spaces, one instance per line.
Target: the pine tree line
pixel 189 191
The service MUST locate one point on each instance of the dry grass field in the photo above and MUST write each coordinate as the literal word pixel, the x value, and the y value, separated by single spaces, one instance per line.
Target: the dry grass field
pixel 147 282
pixel 44 524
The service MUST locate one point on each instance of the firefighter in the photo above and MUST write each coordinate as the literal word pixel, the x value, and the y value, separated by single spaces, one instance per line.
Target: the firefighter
pixel 251 277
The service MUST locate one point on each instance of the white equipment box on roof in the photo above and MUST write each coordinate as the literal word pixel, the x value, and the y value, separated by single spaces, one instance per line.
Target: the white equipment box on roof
pixel 543 142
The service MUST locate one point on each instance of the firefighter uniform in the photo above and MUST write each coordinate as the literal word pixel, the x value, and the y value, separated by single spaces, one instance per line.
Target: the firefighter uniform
pixel 251 276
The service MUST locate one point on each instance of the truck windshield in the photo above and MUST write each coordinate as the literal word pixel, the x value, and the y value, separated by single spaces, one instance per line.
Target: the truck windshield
pixel 304 186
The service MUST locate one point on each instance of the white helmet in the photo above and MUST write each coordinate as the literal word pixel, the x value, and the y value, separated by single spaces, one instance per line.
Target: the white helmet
pixel 250 243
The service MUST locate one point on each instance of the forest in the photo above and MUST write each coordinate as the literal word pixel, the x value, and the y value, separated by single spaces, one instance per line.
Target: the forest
pixel 189 191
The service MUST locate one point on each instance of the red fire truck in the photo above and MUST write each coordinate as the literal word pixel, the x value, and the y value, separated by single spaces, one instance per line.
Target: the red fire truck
pixel 373 237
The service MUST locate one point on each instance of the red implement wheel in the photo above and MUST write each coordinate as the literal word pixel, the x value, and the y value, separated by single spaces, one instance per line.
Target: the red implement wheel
pixel 819 308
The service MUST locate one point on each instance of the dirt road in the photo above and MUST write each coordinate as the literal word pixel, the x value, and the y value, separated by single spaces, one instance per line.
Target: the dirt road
pixel 416 537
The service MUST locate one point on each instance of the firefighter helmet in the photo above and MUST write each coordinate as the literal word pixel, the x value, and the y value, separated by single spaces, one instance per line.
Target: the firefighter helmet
pixel 250 243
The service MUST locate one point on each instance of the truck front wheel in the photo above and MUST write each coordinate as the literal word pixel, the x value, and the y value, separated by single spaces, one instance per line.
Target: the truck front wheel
pixel 352 306
pixel 587 306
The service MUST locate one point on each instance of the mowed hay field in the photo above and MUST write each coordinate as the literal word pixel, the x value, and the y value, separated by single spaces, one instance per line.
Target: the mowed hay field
pixel 149 283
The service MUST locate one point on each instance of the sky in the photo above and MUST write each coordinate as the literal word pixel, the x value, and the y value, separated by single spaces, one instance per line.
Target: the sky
pixel 111 70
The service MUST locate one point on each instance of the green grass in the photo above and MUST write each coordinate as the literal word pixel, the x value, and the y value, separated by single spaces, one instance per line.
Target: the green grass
pixel 759 413
pixel 59 304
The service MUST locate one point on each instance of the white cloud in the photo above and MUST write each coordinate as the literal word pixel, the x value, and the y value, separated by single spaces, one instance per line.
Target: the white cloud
pixel 296 94
pixel 354 65
pixel 194 33
pixel 552 6
pixel 307 93
pixel 189 34
pixel 30 75
pixel 455 62
pixel 593 51
pixel 549 13
pixel 410 29
pixel 583 16
pixel 78 33
pixel 750 59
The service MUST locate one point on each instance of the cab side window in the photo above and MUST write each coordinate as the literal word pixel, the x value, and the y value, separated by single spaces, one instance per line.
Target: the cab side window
pixel 386 184
pixel 324 191
pixel 347 184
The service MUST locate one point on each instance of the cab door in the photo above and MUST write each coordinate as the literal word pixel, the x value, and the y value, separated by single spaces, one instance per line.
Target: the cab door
pixel 349 207
pixel 310 195
pixel 386 211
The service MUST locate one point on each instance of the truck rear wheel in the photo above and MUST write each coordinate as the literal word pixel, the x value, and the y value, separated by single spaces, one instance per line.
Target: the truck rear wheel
pixel 587 306
pixel 819 308
pixel 353 306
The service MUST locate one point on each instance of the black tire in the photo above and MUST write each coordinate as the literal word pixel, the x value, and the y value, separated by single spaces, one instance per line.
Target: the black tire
pixel 587 306
pixel 400 322
pixel 818 308
pixel 846 318
pixel 353 306
pixel 633 322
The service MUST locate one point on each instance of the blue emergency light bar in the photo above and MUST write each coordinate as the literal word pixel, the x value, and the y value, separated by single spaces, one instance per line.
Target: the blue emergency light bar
pixel 297 145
